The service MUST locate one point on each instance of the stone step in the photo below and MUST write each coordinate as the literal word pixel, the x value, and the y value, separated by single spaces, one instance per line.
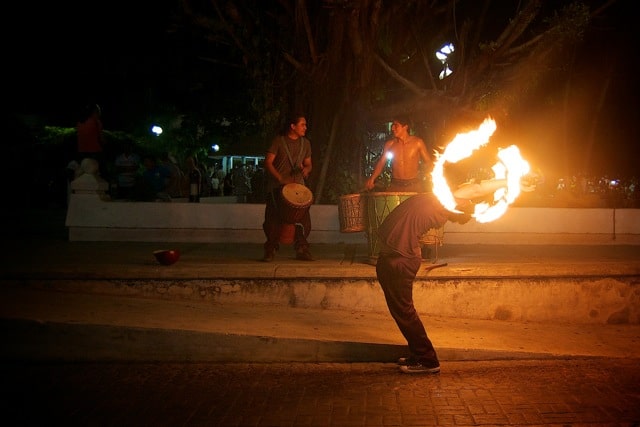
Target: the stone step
pixel 42 324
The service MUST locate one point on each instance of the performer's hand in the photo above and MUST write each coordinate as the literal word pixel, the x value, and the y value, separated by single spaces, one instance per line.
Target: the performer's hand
pixel 461 219
pixel 369 184
pixel 305 172
pixel 285 180
pixel 528 182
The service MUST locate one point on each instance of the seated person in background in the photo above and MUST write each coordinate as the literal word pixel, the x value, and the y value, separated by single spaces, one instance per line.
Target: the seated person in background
pixel 192 171
pixel 215 184
pixel 227 184
pixel 127 165
pixel 176 176
pixel 154 180
pixel 241 183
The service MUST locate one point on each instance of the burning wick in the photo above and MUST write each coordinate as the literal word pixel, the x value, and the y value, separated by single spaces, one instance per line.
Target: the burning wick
pixel 510 166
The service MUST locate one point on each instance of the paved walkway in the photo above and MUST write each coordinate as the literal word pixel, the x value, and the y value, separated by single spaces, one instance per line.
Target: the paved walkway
pixel 493 372
pixel 573 392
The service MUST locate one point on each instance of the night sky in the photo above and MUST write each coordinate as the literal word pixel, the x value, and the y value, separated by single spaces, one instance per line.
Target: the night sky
pixel 101 52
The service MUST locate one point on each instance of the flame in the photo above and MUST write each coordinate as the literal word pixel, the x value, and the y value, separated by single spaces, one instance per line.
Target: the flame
pixel 461 147
pixel 510 166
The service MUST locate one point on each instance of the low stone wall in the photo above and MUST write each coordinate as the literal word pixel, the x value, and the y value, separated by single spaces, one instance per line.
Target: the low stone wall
pixel 558 226
pixel 91 218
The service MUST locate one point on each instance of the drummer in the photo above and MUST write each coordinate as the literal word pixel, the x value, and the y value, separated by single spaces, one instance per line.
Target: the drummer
pixel 288 160
pixel 407 153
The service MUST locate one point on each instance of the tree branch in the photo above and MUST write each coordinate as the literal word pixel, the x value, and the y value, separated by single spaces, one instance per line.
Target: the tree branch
pixel 295 63
pixel 515 29
pixel 301 13
pixel 405 82
pixel 229 29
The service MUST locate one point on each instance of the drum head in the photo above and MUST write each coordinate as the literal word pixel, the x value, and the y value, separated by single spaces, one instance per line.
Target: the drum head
pixel 297 195
pixel 383 194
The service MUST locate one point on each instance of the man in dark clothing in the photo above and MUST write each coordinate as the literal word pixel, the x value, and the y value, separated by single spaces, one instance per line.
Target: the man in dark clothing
pixel 400 258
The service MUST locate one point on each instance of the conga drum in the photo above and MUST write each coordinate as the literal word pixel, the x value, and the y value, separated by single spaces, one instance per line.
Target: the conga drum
pixel 294 202
pixel 351 211
pixel 379 205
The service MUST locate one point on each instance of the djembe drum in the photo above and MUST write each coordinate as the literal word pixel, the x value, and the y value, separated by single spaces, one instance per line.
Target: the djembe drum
pixel 294 202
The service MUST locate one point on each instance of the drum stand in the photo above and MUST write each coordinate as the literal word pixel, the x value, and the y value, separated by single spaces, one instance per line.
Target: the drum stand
pixel 435 238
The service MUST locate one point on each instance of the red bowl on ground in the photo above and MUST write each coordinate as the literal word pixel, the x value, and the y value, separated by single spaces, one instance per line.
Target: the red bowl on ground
pixel 167 256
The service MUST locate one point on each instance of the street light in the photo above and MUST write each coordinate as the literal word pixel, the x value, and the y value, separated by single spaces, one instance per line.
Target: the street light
pixel 443 55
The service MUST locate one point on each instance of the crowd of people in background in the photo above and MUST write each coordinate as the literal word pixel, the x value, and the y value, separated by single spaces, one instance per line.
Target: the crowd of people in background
pixel 137 175
pixel 585 191
pixel 163 178
pixel 148 177
pixel 141 176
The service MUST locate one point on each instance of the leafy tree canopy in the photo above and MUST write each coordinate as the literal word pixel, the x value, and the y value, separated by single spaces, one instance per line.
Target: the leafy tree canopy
pixel 352 65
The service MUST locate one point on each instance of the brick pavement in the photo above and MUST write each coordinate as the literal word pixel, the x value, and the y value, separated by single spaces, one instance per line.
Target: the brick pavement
pixel 564 392
pixel 594 391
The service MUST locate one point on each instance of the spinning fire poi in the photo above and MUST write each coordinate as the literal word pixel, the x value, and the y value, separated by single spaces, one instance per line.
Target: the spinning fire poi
pixel 510 166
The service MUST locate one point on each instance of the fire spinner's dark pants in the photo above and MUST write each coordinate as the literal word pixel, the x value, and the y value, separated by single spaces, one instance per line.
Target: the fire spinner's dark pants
pixel 396 275
pixel 273 223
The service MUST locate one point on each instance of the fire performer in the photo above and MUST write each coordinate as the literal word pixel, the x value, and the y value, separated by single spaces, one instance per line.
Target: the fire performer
pixel 406 153
pixel 400 258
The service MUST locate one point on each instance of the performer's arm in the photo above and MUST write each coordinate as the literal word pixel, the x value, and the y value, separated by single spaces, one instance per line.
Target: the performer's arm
pixel 473 190
pixel 306 167
pixel 382 161
pixel 268 165
pixel 427 159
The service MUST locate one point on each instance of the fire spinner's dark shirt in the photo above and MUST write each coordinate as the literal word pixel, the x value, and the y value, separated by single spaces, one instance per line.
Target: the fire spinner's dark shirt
pixel 402 228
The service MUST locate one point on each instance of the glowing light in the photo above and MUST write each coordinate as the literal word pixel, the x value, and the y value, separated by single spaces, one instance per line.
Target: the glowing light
pixel 446 72
pixel 215 147
pixel 443 56
pixel 510 166
pixel 444 52
pixel 155 129
pixel 389 155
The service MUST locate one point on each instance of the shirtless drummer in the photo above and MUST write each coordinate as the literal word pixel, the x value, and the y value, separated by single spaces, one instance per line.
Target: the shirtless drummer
pixel 407 152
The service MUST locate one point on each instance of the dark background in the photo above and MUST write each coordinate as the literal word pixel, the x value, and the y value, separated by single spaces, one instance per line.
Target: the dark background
pixel 123 56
